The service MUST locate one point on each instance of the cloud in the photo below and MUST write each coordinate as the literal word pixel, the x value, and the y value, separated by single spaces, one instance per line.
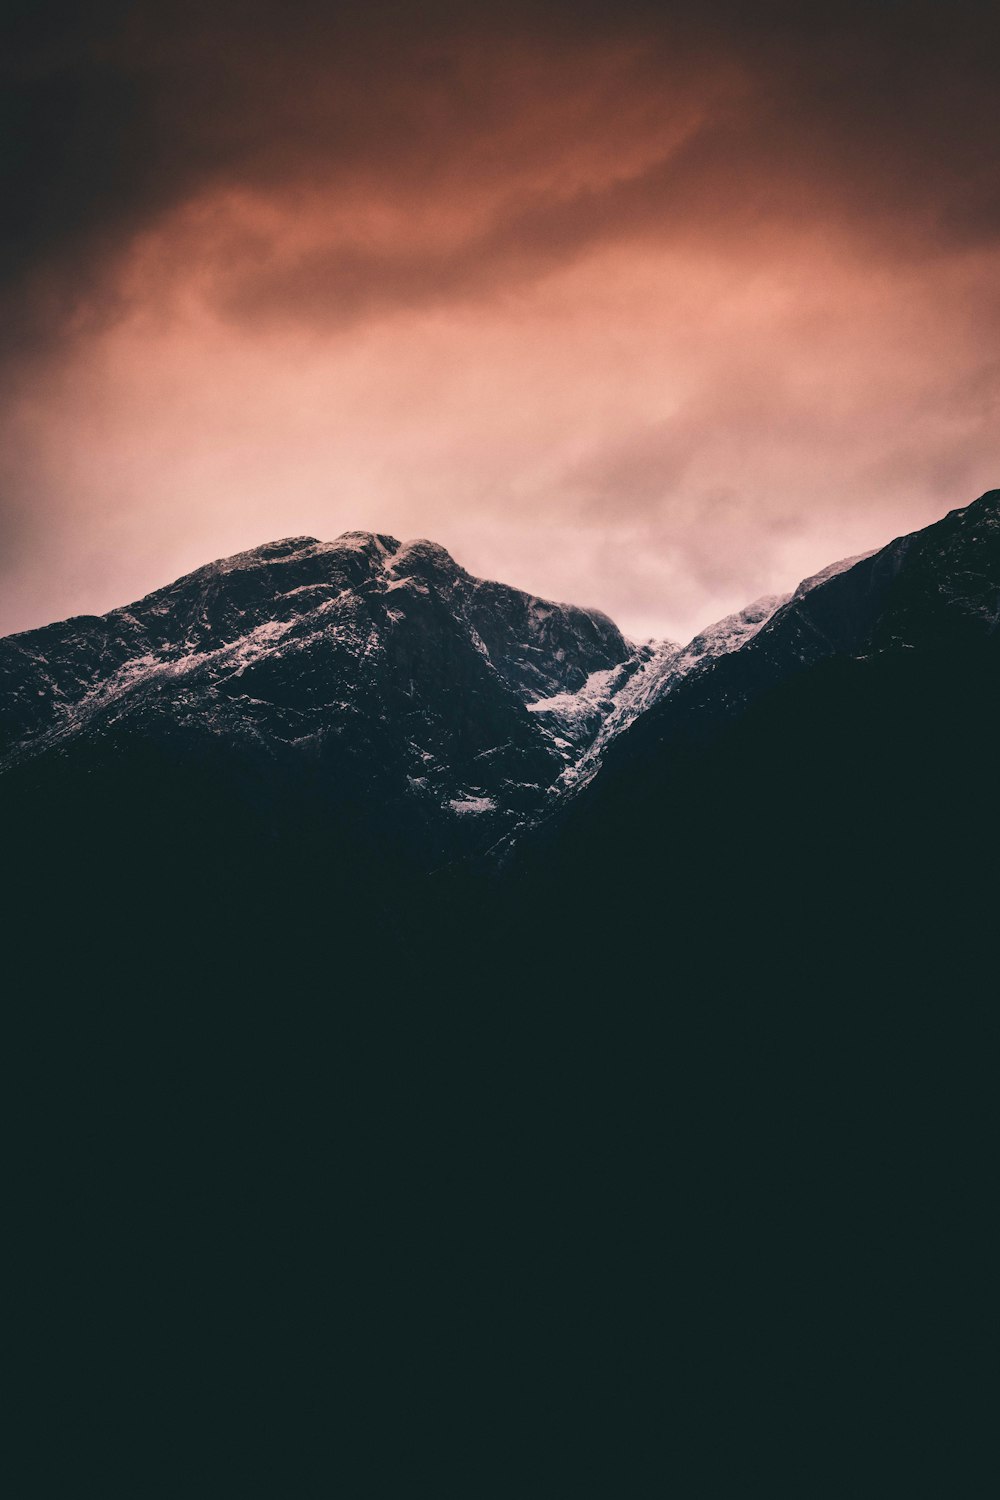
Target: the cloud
pixel 551 128
pixel 653 307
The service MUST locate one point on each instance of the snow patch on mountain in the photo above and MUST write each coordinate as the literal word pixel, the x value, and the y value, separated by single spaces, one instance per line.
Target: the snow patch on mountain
pixel 595 691
pixel 610 701
pixel 474 805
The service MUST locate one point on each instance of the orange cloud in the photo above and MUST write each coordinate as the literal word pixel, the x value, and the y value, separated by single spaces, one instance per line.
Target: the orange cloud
pixel 654 314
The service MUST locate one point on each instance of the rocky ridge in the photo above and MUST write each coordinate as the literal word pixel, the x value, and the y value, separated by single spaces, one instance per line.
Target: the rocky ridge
pixel 380 665
pixel 372 673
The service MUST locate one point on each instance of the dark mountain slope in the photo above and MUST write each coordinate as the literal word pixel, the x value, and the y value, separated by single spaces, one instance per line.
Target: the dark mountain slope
pixel 826 790
pixel 328 715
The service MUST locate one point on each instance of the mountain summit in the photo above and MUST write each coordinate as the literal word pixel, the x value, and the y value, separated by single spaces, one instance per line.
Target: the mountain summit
pixel 360 673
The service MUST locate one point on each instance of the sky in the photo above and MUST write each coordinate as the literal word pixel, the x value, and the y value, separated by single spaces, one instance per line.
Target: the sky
pixel 653 308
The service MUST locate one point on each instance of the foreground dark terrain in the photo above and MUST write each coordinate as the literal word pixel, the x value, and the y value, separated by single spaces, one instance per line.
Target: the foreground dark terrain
pixel 418 976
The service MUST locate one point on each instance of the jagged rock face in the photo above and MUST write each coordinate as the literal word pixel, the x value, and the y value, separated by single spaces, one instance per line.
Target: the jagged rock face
pixel 366 669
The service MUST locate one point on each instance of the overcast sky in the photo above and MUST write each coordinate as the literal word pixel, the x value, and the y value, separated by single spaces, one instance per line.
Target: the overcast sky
pixel 655 308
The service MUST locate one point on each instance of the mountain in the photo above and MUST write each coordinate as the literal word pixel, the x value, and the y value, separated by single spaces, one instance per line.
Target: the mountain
pixel 366 688
pixel 323 727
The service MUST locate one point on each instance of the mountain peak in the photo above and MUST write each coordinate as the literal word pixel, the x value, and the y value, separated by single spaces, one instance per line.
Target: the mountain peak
pixel 287 544
pixel 344 664
pixel 379 540
pixel 423 556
